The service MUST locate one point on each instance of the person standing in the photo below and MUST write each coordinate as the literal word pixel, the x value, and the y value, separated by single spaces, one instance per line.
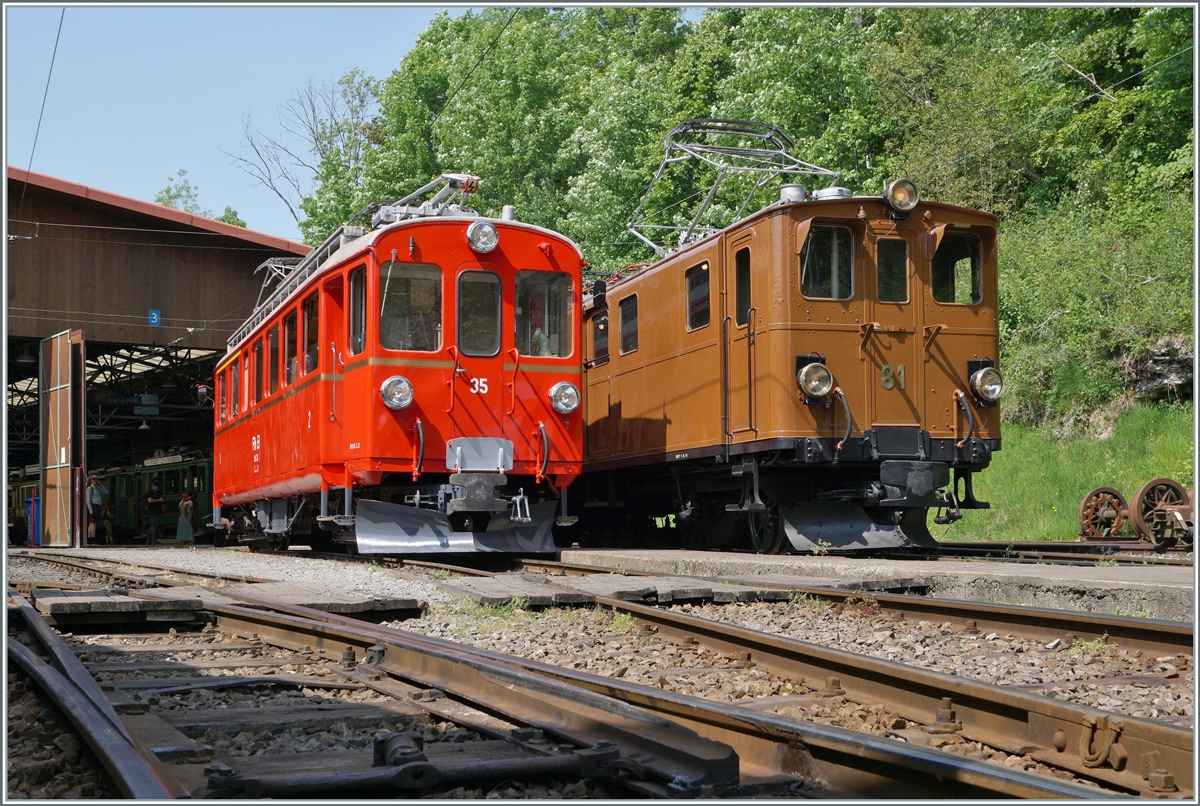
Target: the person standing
pixel 96 493
pixel 106 520
pixel 154 508
pixel 185 532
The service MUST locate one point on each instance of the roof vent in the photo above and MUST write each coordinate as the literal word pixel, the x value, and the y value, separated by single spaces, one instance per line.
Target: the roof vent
pixel 792 193
pixel 834 192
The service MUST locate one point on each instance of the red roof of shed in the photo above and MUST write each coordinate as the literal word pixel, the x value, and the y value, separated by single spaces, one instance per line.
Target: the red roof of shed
pixel 103 197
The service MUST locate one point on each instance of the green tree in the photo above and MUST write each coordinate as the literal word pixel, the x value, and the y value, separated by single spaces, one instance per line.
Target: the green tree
pixel 181 194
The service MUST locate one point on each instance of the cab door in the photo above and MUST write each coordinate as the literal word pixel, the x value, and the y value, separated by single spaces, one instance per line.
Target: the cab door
pixel 737 334
pixel 477 403
pixel 890 341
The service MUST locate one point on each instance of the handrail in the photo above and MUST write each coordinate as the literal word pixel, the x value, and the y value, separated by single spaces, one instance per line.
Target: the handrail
pixel 750 334
pixel 962 401
pixel 516 354
pixel 541 474
pixel 725 377
pixel 419 459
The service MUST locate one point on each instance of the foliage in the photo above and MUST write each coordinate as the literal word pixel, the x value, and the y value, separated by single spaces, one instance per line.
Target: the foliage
pixel 1072 124
pixel 183 195
pixel 1036 482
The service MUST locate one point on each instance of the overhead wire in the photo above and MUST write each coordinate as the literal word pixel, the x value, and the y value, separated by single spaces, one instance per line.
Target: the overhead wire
pixel 45 95
pixel 470 73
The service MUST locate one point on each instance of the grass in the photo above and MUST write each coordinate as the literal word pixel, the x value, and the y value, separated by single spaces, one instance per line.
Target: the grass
pixel 1035 483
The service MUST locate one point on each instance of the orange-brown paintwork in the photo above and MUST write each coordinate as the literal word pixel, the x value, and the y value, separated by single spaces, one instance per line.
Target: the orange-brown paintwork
pixel 669 397
pixel 329 427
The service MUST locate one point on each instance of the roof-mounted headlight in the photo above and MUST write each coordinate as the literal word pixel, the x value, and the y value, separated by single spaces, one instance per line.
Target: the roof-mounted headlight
pixel 482 236
pixel 564 397
pixel 814 380
pixel 988 384
pixel 397 392
pixel 901 195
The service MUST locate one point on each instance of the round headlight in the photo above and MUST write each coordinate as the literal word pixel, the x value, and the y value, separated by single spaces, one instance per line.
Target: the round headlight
pixel 901 195
pixel 397 392
pixel 564 397
pixel 988 384
pixel 482 236
pixel 814 380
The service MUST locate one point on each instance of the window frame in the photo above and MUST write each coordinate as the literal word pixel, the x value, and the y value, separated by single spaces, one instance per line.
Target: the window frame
pixel 687 296
pixel 741 315
pixel 312 301
pixel 800 261
pixel 257 352
pixel 621 325
pixel 272 361
pixel 291 358
pixel 222 392
pixel 441 301
pixel 235 407
pixel 599 358
pixel 499 313
pixel 565 322
pixel 356 318
pixel 878 263
pixel 975 274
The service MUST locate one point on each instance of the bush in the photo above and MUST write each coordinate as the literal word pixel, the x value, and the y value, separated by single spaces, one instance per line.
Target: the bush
pixel 1083 288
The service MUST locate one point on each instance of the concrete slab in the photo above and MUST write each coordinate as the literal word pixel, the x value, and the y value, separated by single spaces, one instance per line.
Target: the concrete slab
pixel 1149 591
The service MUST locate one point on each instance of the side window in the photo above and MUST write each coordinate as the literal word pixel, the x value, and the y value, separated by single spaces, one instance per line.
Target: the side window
pixel 956 269
pixel 600 338
pixel 629 324
pixel 478 313
pixel 258 371
pixel 826 264
pixel 273 349
pixel 311 340
pixel 233 389
pixel 289 348
pixel 410 307
pixel 358 310
pixel 893 271
pixel 221 395
pixel 696 280
pixel 742 283
pixel 543 315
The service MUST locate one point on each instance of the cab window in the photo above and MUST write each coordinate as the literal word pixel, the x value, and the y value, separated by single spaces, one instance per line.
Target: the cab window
pixel 956 269
pixel 628 310
pixel 543 314
pixel 742 282
pixel 599 339
pixel 826 264
pixel 358 310
pixel 221 395
pixel 478 313
pixel 892 270
pixel 696 280
pixel 410 307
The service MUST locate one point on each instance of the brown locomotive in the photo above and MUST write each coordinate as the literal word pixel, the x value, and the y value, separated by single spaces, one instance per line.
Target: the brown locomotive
pixel 808 377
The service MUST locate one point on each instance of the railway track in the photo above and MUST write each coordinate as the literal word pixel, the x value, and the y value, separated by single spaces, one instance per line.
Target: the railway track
pixel 510 722
pixel 1090 552
pixel 824 681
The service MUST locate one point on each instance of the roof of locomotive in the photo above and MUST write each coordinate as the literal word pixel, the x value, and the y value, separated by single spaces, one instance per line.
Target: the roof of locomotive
pixel 355 246
pixel 777 207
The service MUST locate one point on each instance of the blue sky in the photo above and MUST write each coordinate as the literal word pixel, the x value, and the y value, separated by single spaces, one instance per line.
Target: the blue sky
pixel 139 92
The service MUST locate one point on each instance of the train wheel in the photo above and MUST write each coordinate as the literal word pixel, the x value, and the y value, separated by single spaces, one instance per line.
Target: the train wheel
pixel 1154 495
pixel 1101 513
pixel 766 530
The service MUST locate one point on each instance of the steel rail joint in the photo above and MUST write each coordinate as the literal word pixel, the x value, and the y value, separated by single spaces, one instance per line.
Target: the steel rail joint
pixel 768 746
pixel 1011 720
pixel 585 717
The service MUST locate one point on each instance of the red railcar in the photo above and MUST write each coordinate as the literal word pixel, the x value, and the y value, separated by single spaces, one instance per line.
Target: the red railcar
pixel 414 388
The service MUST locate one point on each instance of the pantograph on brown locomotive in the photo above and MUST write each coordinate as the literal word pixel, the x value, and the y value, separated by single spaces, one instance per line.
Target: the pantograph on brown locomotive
pixel 816 375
